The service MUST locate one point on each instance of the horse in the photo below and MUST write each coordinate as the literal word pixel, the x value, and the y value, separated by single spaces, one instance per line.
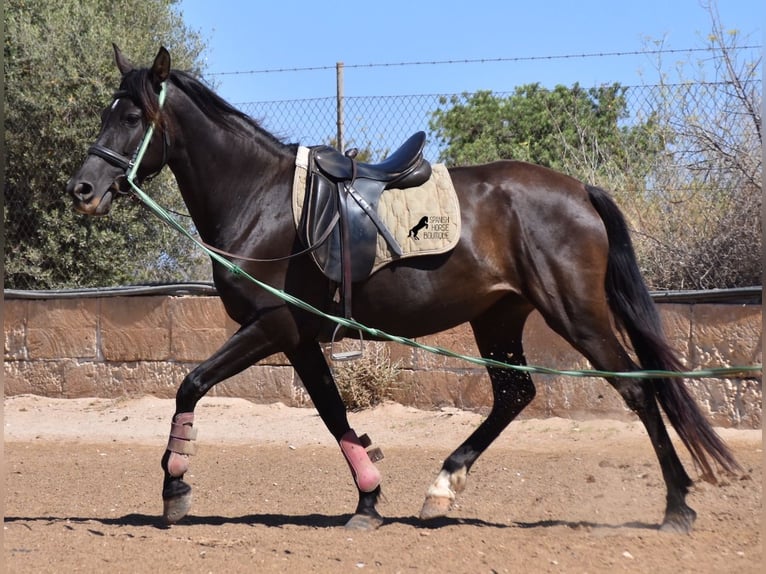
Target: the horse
pixel 420 225
pixel 531 239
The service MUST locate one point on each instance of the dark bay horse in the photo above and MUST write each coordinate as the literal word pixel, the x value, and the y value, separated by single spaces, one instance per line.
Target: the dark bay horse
pixel 531 238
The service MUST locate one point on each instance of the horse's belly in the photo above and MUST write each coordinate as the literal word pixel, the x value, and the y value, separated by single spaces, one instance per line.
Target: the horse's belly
pixel 414 303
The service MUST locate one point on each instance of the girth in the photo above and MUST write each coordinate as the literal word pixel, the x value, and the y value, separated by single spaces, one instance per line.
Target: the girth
pixel 343 193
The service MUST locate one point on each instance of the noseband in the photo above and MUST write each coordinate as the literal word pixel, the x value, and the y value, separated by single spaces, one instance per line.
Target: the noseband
pixel 130 165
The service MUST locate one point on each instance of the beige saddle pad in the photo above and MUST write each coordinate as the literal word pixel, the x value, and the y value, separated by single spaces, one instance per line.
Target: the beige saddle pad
pixel 424 220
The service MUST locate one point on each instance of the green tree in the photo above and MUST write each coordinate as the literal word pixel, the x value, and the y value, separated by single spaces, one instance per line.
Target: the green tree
pixel 582 132
pixel 59 74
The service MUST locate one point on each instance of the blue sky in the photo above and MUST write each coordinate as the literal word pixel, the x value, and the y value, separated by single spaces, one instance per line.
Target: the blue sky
pixel 259 35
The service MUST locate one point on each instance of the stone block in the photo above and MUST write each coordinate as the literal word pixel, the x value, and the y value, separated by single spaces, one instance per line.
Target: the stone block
pixel 196 344
pixel 199 326
pixel 190 313
pixel 15 329
pixel 59 329
pixel 749 405
pixel 81 379
pixel 543 347
pixel 135 329
pixel 263 384
pixel 726 335
pixel 42 378
pixel 430 389
pixel 458 340
pixel 677 324
pixel 156 378
pixel 583 398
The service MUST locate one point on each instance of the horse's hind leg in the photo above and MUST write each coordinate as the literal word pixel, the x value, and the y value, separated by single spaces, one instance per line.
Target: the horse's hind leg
pixel 592 335
pixel 498 336
pixel 639 396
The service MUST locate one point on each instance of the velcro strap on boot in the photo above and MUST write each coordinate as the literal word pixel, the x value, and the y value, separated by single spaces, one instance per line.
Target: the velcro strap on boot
pixel 182 446
pixel 180 443
pixel 183 431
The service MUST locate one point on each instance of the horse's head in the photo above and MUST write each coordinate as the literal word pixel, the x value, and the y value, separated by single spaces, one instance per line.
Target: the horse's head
pixel 123 124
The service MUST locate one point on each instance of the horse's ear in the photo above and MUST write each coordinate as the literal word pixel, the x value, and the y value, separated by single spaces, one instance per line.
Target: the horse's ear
pixel 122 63
pixel 160 68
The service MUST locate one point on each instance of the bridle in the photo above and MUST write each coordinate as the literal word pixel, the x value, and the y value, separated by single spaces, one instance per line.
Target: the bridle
pixel 130 165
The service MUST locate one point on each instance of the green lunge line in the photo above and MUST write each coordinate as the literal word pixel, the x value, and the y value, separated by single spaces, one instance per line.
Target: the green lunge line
pixel 717 373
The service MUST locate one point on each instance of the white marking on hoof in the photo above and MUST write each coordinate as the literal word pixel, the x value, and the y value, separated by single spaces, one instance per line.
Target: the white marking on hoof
pixel 441 494
pixel 435 507
pixel 174 509
pixel 448 484
pixel 458 479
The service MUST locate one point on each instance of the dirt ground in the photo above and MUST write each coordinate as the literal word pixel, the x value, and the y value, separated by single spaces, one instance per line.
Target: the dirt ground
pixel 271 492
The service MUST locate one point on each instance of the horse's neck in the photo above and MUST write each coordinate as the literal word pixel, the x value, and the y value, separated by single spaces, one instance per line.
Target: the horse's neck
pixel 227 180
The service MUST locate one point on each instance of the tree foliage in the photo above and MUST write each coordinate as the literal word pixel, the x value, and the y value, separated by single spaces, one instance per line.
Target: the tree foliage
pixel 59 74
pixel 687 173
pixel 584 132
pixel 700 227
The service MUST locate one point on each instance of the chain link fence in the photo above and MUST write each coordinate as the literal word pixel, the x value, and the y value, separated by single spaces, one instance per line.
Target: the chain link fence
pixel 379 125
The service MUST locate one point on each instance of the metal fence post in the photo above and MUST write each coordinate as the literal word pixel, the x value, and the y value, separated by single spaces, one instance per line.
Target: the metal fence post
pixel 339 104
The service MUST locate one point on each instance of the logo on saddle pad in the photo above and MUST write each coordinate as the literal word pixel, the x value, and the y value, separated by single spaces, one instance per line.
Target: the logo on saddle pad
pixel 437 227
pixel 421 224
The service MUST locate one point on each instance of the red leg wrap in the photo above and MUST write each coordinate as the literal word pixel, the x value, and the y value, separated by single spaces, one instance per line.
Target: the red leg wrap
pixel 180 444
pixel 366 475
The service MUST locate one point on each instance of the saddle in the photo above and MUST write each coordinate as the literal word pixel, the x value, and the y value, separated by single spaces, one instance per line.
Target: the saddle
pixel 340 223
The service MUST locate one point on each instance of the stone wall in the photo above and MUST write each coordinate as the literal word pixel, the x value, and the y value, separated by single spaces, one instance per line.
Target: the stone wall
pixel 131 346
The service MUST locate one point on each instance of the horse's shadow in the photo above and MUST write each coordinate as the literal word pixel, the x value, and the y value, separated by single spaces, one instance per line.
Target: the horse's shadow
pixel 321 521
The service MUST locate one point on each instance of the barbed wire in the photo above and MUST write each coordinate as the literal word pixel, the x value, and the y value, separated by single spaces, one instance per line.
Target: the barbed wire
pixel 479 60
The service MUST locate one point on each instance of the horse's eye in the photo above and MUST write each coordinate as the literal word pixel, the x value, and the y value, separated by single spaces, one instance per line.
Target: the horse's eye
pixel 132 120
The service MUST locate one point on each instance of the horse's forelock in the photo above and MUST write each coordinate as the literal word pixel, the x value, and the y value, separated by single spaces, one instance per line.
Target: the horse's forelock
pixel 136 86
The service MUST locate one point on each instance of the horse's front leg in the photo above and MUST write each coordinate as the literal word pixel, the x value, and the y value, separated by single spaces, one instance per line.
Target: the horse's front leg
pixel 246 347
pixel 311 365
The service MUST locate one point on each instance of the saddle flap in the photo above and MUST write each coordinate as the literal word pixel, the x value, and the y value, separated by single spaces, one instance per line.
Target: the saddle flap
pixel 321 212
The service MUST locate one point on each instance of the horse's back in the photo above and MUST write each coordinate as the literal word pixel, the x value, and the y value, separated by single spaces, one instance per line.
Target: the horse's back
pixel 515 177
pixel 524 228
pixel 523 201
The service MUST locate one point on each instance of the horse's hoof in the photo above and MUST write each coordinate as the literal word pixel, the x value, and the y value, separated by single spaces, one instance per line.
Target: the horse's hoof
pixel 435 507
pixel 679 522
pixel 174 509
pixel 364 522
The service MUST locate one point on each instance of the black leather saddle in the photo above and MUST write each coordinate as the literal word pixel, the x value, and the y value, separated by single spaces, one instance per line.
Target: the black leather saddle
pixel 402 169
pixel 339 222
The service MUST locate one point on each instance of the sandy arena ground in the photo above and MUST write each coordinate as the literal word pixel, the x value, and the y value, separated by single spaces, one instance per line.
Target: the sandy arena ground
pixel 272 491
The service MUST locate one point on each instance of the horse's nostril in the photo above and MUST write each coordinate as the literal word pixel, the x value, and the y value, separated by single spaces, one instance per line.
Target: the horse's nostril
pixel 82 190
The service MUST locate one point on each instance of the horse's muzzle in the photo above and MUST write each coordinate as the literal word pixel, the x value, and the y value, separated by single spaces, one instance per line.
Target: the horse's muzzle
pixel 87 201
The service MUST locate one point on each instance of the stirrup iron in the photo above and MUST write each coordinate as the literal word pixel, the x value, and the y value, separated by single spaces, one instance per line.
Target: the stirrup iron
pixel 351 355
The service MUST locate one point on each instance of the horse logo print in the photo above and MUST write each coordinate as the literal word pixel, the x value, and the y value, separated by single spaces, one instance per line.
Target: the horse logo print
pixel 421 224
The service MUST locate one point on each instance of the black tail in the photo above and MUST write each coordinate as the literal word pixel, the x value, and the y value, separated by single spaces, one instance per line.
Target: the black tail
pixel 636 314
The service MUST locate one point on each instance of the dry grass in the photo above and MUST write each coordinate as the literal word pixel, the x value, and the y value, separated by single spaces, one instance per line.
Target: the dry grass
pixel 369 380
